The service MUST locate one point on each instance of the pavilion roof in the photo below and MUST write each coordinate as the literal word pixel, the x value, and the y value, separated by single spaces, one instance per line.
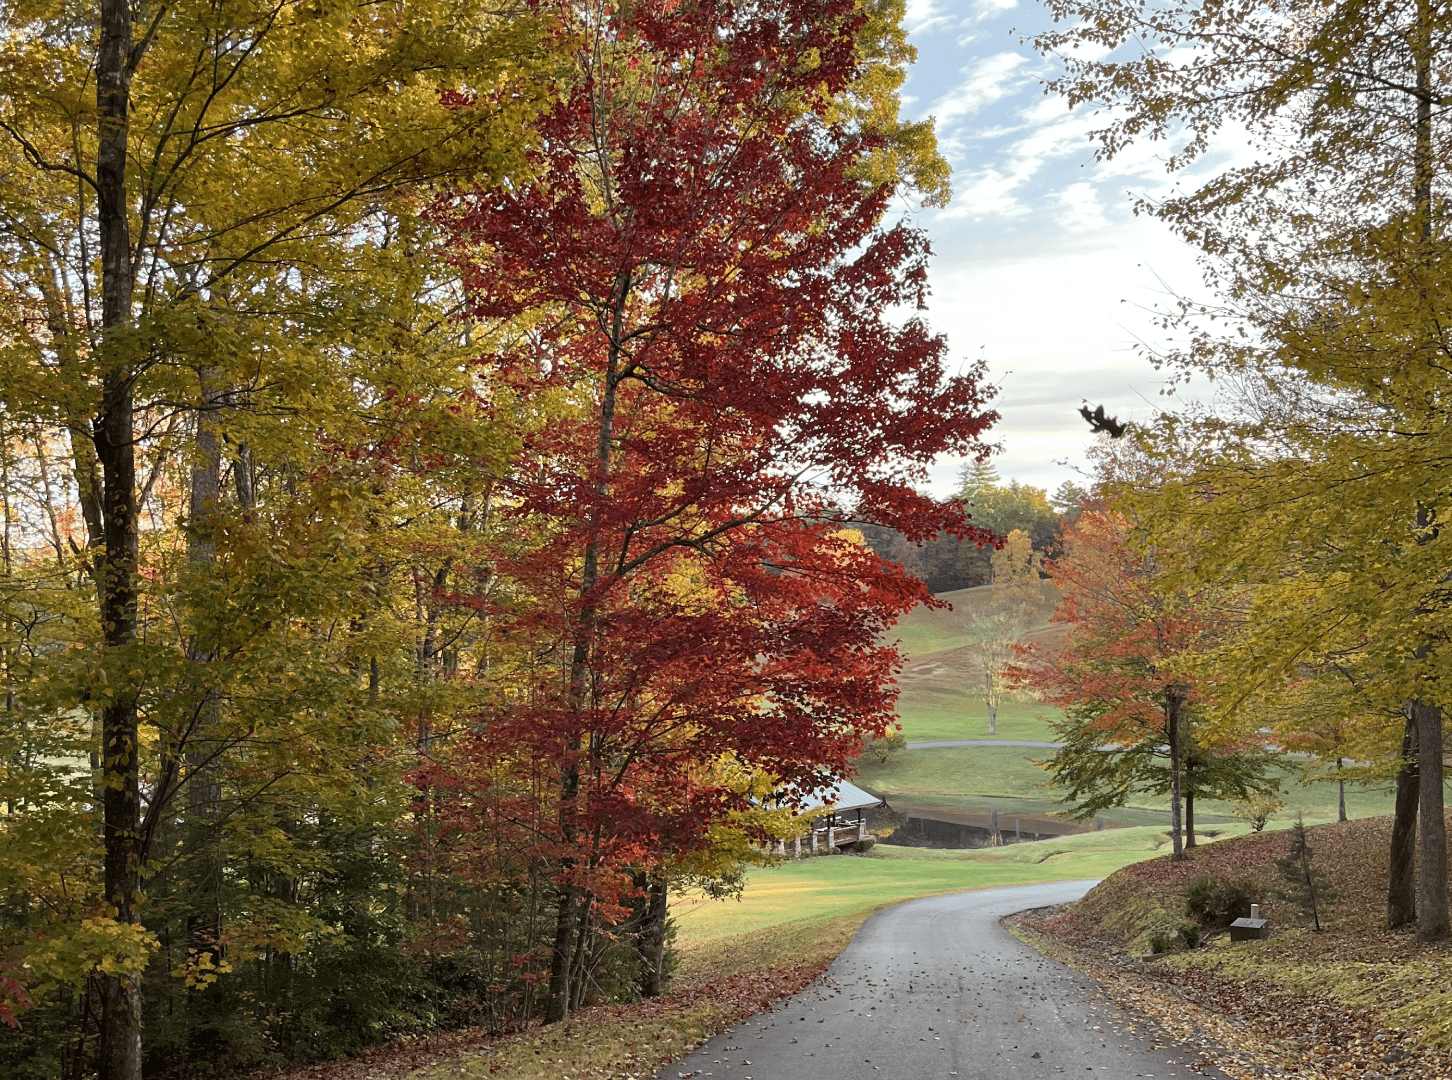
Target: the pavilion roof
pixel 841 796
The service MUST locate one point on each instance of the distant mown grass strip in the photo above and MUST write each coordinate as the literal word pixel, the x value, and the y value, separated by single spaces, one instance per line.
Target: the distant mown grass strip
pixel 844 884
pixel 930 715
pixel 1006 772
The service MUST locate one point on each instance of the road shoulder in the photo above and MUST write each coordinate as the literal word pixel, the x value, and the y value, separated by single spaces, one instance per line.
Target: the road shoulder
pixel 1248 1028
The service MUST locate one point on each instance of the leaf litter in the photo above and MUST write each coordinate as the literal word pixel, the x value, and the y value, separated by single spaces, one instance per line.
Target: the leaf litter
pixel 716 987
pixel 1354 1000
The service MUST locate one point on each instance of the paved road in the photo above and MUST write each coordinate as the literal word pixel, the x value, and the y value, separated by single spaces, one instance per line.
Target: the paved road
pixel 945 743
pixel 934 989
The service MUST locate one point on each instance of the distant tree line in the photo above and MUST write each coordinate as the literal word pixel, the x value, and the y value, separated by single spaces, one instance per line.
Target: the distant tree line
pixel 946 564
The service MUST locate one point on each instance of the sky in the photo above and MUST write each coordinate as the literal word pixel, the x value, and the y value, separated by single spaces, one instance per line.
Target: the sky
pixel 1040 265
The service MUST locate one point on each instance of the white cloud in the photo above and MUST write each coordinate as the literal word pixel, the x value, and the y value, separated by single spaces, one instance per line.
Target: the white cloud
pixel 1038 258
pixel 989 80
pixel 923 14
pixel 994 191
pixel 988 193
pixel 1080 210
pixel 987 9
pixel 1058 322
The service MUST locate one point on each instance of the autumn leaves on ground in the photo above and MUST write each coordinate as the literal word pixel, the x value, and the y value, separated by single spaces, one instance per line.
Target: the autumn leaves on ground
pixel 1352 999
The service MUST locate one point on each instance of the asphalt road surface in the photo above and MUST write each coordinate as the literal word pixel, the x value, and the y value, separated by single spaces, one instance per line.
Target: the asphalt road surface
pixel 934 989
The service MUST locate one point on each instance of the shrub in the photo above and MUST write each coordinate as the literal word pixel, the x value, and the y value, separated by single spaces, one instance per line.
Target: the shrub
pixel 1215 903
pixel 1190 935
pixel 1258 808
pixel 1159 940
pixel 883 748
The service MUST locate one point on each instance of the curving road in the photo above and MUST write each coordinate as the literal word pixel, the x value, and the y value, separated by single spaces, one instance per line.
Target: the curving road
pixel 934 989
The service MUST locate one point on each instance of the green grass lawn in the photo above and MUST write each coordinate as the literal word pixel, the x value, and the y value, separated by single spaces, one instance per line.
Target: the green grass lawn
pixel 924 631
pixel 958 714
pixel 925 639
pixel 829 887
pixel 983 777
pixel 1000 771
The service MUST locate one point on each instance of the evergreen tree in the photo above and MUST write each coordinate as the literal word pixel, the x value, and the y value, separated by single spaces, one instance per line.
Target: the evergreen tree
pixel 1306 884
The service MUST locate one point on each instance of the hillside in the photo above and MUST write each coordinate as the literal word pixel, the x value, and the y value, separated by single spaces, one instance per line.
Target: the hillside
pixel 926 631
pixel 942 678
pixel 1377 1003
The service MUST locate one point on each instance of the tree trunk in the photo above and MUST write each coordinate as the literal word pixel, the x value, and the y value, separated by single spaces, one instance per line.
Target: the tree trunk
pixel 1432 874
pixel 651 942
pixel 560 965
pixel 1341 792
pixel 1173 702
pixel 578 982
pixel 1189 818
pixel 1401 892
pixel 1432 877
pixel 558 1007
pixel 204 791
pixel 120 1045
pixel 1423 165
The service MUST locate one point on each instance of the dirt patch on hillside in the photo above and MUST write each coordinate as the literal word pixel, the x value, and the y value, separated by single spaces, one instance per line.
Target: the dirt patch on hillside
pixel 1353 1000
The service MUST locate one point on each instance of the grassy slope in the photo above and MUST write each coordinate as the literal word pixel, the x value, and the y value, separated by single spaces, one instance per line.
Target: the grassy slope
pixel 815 889
pixel 1005 777
pixel 924 631
pixel 952 713
pixel 1002 772
pixel 1354 975
pixel 948 706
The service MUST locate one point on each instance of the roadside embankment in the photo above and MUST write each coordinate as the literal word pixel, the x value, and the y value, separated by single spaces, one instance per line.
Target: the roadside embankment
pixel 1351 1000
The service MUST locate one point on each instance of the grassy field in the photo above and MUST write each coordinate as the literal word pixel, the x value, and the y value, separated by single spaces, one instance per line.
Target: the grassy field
pixel 821 889
pixel 1005 778
pixel 941 682
pixel 954 713
pixel 1002 772
pixel 924 631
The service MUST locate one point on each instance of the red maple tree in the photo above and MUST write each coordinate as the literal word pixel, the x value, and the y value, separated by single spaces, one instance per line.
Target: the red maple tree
pixel 1116 675
pixel 700 281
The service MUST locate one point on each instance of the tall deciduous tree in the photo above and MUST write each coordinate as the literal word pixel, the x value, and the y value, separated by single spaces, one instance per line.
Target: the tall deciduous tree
pixel 161 164
pixel 701 277
pixel 1121 675
pixel 1329 252
pixel 1012 608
